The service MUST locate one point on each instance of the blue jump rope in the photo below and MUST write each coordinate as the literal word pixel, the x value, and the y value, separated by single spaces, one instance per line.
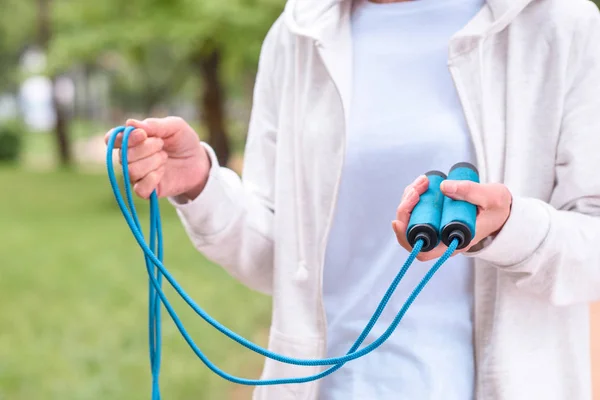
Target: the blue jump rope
pixel 435 218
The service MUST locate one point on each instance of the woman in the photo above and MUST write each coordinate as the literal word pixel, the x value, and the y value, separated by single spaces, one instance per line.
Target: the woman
pixel 353 102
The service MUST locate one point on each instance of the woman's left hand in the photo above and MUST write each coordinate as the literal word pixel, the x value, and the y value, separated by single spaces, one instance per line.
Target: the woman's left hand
pixel 493 203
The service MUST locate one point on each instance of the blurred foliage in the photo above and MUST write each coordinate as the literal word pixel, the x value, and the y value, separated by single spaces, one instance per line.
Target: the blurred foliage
pixel 11 141
pixel 159 51
pixel 154 56
pixel 152 43
pixel 16 31
pixel 84 29
pixel 114 32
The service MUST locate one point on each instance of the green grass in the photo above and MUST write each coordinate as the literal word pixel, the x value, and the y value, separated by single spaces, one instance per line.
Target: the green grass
pixel 73 299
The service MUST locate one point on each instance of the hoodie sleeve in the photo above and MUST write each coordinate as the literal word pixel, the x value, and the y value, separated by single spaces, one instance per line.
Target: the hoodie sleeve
pixel 560 258
pixel 231 222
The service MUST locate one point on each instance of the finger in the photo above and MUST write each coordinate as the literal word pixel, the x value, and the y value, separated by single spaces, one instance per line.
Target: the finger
pixel 432 255
pixel 136 137
pixel 107 136
pixel 140 169
pixel 160 127
pixel 468 191
pixel 399 228
pixel 407 205
pixel 420 185
pixel 146 149
pixel 400 231
pixel 149 183
pixel 411 198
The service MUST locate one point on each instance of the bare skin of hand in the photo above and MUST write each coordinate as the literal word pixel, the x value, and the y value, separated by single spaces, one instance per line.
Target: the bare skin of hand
pixel 493 203
pixel 164 154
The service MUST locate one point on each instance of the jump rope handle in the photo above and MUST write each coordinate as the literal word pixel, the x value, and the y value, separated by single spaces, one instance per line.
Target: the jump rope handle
pixel 458 217
pixel 425 219
pixel 438 218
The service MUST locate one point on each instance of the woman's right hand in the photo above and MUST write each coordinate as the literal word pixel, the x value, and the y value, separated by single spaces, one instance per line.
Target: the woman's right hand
pixel 165 154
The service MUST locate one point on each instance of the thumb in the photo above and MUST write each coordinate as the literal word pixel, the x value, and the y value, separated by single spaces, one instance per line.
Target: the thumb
pixel 138 124
pixel 159 127
pixel 137 137
pixel 468 191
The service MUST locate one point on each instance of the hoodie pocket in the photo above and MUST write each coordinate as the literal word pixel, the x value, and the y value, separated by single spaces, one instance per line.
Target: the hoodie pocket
pixel 296 347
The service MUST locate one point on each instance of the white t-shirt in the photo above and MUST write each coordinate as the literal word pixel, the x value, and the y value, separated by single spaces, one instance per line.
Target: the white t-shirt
pixel 405 120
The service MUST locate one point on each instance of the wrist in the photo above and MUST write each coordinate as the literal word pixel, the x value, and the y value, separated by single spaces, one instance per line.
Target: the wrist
pixel 507 215
pixel 203 172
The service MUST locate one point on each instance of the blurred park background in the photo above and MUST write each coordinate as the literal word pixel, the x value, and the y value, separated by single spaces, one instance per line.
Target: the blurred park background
pixel 73 289
pixel 73 286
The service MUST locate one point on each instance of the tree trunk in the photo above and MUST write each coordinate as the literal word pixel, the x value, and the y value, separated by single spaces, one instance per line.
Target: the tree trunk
pixel 86 101
pixel 211 101
pixel 151 100
pixel 61 129
pixel 61 118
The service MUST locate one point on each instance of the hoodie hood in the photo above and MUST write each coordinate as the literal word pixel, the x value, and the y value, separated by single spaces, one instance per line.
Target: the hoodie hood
pixel 311 17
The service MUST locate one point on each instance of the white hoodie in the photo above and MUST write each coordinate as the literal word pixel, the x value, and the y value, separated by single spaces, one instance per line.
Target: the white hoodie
pixel 527 73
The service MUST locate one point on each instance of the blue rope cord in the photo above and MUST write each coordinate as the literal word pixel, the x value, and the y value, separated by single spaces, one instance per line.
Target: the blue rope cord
pixel 156 246
pixel 153 255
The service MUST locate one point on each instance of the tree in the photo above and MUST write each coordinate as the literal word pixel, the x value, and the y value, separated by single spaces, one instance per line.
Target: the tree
pixel 27 25
pixel 15 33
pixel 61 119
pixel 210 40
